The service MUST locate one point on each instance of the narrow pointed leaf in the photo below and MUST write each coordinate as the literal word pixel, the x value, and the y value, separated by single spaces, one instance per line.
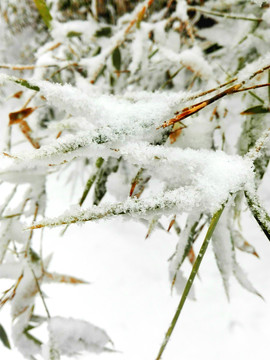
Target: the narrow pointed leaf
pixel 116 59
pixel 4 337
pixel 44 12
pixel 260 109
pixel 259 213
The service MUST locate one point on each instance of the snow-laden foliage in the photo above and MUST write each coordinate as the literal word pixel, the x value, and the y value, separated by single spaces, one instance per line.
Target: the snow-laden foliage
pixel 162 105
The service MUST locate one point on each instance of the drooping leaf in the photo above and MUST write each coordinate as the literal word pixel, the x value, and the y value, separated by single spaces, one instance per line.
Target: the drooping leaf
pixel 44 12
pixel 116 59
pixel 243 280
pixel 243 244
pixel 223 250
pixel 259 213
pixel 152 225
pixel 4 337
pixel 30 336
pixel 91 181
pixel 17 116
pixel 186 240
pixel 108 167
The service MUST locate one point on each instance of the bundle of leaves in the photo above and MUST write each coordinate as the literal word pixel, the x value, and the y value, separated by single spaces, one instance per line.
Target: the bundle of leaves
pixel 139 98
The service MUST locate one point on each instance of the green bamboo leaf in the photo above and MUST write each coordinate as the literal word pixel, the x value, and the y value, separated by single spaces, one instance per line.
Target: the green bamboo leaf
pixel 25 83
pixel 71 34
pixel 44 12
pixel 105 31
pixel 91 181
pixel 31 337
pixel 4 338
pixel 190 280
pixel 190 241
pixel 116 59
pixel 259 109
pixel 110 166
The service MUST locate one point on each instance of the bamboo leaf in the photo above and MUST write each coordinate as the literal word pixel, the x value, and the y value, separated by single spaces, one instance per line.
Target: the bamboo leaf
pixel 31 337
pixel 4 337
pixel 91 181
pixel 110 166
pixel 190 280
pixel 259 213
pixel 116 59
pixel 71 34
pixel 105 31
pixel 17 116
pixel 44 12
pixel 25 83
pixel 259 109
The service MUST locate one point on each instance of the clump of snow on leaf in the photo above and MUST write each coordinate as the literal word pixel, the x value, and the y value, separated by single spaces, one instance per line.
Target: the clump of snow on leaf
pixel 70 336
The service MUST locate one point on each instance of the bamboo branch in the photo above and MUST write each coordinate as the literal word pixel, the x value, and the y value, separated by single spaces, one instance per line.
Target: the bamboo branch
pixel 190 280
pixel 186 112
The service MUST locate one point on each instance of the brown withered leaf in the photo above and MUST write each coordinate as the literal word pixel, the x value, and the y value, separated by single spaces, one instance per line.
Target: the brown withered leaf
pixel 191 256
pixel 26 130
pixel 18 116
pixel 60 278
pixel 176 132
pixel 17 95
pixel 171 223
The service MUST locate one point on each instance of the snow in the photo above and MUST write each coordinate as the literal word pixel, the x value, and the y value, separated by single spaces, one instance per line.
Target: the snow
pixel 181 10
pixel 72 335
pixel 192 59
pixel 248 71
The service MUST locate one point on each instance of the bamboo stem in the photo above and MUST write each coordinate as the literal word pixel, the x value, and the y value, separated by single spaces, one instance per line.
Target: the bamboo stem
pixel 190 280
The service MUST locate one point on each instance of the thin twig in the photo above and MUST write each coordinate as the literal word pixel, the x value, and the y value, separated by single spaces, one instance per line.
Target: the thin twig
pixel 25 67
pixel 40 293
pixel 186 112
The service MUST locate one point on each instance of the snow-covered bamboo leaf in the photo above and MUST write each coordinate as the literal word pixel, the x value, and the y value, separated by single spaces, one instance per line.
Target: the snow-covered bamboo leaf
pixel 185 242
pixel 223 250
pixel 242 244
pixel 70 336
pixel 243 280
pixel 108 167
pixel 259 213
